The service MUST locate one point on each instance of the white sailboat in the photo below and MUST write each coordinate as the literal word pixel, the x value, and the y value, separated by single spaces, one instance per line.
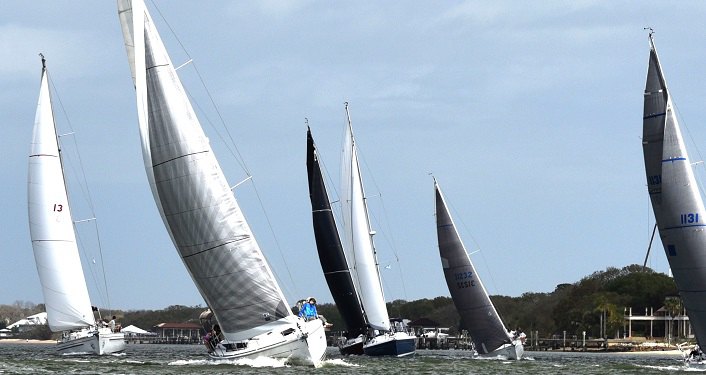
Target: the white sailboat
pixel 676 201
pixel 201 214
pixel 382 339
pixel 54 243
pixel 488 333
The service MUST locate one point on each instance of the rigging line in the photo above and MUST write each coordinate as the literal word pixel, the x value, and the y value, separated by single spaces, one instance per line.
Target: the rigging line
pixel 81 183
pixel 82 248
pixel 648 216
pixel 387 234
pixel 482 253
pixel 644 265
pixel 272 231
pixel 83 186
pixel 693 142
pixel 235 154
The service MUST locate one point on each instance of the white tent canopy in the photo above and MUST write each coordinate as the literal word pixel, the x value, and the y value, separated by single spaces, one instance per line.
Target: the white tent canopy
pixel 134 330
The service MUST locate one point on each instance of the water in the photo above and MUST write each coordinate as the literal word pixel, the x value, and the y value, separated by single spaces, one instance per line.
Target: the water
pixel 190 359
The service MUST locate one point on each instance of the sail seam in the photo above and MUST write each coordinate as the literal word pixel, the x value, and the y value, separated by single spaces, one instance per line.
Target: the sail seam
pixel 686 226
pixel 214 247
pixel 179 157
pixel 654 115
pixel 36 155
pixel 156 66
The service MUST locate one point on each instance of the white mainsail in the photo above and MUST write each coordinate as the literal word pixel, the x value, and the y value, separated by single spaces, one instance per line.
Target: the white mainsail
pixel 51 226
pixel 194 199
pixel 359 247
pixel 676 201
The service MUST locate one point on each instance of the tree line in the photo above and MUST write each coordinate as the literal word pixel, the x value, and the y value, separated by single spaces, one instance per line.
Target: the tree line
pixel 602 296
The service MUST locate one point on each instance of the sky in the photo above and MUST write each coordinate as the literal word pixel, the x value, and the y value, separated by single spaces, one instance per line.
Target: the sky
pixel 527 113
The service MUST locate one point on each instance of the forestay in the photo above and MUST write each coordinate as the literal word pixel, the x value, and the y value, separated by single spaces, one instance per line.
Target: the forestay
pixel 328 243
pixel 676 201
pixel 51 227
pixel 359 246
pixel 194 199
pixel 478 315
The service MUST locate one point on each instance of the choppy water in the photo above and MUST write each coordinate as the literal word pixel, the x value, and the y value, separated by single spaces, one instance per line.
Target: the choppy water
pixel 191 359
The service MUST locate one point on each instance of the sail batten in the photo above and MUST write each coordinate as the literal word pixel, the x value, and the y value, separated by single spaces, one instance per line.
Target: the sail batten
pixel 195 201
pixel 478 315
pixel 359 246
pixel 328 243
pixel 676 201
pixel 54 245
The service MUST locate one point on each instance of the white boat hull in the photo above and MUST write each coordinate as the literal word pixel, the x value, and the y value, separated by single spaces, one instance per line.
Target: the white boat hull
pixel 87 341
pixel 303 342
pixel 511 351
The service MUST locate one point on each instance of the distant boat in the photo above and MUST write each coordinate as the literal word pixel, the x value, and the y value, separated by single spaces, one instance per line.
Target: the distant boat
pixel 202 216
pixel 51 228
pixel 677 204
pixel 382 338
pixel 488 333
pixel 332 257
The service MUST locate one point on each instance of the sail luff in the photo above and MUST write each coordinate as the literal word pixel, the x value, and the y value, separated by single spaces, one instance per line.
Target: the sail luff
pixel 328 243
pixel 367 274
pixel 676 200
pixel 197 206
pixel 54 245
pixel 478 314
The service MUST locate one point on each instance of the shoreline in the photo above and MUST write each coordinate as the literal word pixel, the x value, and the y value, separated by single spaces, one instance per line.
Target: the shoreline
pixel 669 352
pixel 27 341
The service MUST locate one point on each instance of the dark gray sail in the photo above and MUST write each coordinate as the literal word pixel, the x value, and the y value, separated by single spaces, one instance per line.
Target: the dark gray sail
pixel 328 244
pixel 478 314
pixel 676 201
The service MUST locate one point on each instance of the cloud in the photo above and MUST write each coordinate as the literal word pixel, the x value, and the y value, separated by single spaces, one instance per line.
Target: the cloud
pixel 65 51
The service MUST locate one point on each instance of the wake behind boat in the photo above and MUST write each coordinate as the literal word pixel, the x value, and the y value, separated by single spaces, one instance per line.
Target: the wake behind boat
pixel 676 201
pixel 56 254
pixel 488 333
pixel 202 216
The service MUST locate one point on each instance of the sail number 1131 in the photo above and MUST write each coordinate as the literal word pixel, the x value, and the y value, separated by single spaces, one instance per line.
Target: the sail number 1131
pixel 690 218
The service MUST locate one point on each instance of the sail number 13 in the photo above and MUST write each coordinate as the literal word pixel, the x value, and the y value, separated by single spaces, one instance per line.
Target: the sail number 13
pixel 690 218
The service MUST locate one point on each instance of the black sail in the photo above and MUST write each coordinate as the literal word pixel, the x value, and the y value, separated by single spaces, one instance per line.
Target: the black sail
pixel 478 315
pixel 328 244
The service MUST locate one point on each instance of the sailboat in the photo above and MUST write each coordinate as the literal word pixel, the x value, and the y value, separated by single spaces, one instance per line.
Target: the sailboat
pixel 202 215
pixel 488 333
pixel 332 257
pixel 676 201
pixel 382 338
pixel 53 237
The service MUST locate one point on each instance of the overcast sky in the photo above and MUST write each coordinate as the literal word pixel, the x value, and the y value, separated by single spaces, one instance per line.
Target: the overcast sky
pixel 528 114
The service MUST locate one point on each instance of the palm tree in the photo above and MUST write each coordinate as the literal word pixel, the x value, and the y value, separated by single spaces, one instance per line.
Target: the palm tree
pixel 673 306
